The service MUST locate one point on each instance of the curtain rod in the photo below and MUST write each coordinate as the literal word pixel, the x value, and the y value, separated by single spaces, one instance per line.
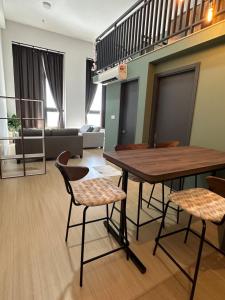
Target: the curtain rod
pixel 36 47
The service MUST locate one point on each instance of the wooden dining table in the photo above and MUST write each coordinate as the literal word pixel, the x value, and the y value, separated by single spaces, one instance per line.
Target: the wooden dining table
pixel 159 165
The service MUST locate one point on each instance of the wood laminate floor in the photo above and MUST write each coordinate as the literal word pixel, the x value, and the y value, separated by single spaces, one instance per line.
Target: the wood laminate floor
pixel 35 262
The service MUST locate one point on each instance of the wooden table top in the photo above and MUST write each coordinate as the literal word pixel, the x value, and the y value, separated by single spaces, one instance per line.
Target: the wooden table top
pixel 159 164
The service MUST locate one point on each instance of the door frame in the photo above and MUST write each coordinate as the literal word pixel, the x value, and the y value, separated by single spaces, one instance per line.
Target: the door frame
pixel 154 106
pixel 121 94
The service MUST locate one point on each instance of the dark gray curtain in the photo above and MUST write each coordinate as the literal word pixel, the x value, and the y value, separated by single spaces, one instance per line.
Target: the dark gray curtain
pixel 29 81
pixel 53 63
pixel 103 106
pixel 90 87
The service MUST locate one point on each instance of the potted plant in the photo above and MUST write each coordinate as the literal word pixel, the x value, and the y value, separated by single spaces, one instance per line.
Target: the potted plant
pixel 14 125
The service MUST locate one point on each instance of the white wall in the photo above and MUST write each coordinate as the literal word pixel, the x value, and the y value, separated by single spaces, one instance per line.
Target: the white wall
pixel 76 52
pixel 3 109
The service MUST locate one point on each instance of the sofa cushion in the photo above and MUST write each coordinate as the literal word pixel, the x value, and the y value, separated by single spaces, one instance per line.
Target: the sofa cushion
pixel 65 132
pixel 48 132
pixel 85 128
pixel 35 132
pixel 96 129
pixel 31 132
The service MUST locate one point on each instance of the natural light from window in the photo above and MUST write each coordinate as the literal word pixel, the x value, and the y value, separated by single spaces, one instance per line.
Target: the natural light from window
pixel 94 116
pixel 51 110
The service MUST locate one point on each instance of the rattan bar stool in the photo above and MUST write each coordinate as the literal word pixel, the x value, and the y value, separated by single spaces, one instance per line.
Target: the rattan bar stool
pixel 89 193
pixel 208 205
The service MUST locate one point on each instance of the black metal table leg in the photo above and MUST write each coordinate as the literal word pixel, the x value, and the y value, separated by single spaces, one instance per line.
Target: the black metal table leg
pixel 119 237
pixel 131 254
pixel 139 208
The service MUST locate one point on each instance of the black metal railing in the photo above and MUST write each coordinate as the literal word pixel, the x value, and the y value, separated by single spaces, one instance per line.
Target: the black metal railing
pixel 151 23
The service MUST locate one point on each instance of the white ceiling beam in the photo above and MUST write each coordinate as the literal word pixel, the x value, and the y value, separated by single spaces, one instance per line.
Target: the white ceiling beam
pixel 2 15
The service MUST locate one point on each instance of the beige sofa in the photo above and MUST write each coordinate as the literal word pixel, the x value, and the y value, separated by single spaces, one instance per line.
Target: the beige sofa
pixel 94 138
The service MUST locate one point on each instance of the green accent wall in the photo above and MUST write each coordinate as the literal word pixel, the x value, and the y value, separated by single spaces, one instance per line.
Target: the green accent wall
pixel 207 47
pixel 112 109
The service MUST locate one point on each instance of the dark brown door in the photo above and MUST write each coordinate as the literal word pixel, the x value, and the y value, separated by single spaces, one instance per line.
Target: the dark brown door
pixel 173 106
pixel 128 112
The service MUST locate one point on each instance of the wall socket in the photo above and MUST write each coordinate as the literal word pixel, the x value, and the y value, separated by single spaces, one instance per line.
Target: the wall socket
pixel 113 117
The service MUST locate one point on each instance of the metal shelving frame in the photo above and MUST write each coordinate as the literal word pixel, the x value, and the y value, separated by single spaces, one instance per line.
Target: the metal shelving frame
pixel 24 156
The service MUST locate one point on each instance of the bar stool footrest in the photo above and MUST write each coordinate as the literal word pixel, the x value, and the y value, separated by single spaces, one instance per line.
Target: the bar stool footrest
pixel 134 223
pixel 104 254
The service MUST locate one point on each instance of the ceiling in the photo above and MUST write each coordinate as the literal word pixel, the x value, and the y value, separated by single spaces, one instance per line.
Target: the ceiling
pixel 83 19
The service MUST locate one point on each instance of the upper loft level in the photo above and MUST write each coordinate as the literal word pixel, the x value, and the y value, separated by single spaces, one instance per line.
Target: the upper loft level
pixel 150 24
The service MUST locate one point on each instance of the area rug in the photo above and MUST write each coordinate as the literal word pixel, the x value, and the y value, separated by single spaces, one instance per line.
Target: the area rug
pixel 107 171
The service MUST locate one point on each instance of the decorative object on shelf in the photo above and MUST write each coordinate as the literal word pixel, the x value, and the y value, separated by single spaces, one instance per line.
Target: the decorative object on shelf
pixel 16 124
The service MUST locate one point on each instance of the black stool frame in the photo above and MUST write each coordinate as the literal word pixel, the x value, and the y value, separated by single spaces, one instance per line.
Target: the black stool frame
pixel 162 202
pixel 123 239
pixel 202 240
pixel 178 210
pixel 181 187
pixel 140 199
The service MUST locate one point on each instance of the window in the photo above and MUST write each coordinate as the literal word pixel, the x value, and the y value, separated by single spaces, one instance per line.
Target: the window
pixel 52 113
pixel 94 116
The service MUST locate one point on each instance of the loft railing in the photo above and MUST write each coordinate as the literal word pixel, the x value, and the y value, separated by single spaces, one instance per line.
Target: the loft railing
pixel 154 23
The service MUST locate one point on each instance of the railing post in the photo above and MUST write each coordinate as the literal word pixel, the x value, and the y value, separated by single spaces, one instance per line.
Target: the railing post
pixel 194 15
pixel 148 23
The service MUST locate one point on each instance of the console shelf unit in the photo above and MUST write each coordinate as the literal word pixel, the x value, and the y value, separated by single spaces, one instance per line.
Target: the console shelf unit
pixel 22 170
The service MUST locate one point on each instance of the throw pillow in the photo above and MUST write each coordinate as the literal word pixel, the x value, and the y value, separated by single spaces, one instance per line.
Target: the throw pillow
pixel 84 128
pixel 90 129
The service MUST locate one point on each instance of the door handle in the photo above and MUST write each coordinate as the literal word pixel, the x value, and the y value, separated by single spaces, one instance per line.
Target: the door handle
pixel 123 131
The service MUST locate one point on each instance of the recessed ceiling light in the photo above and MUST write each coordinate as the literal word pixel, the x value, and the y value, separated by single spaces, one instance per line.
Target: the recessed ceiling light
pixel 47 4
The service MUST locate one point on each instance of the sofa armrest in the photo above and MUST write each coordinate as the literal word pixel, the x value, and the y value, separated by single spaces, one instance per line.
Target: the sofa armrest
pixel 93 139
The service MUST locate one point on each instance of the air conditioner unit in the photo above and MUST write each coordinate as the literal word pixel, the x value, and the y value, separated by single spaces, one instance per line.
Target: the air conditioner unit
pixel 117 73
